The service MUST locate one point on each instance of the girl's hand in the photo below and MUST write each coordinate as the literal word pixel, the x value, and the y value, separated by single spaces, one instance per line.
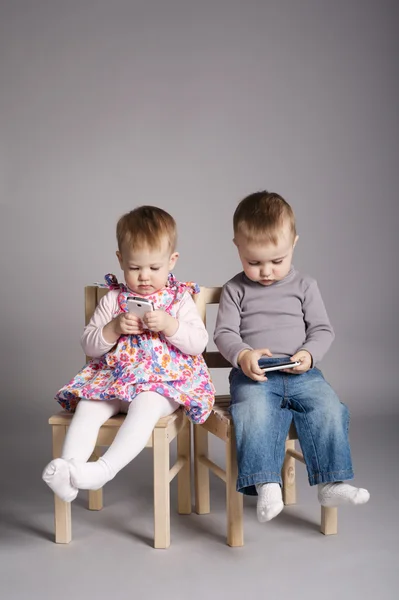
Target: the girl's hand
pixel 305 359
pixel 248 361
pixel 127 324
pixel 160 321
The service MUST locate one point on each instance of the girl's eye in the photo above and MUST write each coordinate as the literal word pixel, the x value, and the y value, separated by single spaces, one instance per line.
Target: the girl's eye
pixel 254 264
pixel 133 268
pixel 277 262
pixel 154 268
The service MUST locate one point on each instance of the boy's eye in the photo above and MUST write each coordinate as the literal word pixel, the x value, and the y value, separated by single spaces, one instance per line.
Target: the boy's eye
pixel 253 264
pixel 133 268
pixel 155 268
pixel 277 262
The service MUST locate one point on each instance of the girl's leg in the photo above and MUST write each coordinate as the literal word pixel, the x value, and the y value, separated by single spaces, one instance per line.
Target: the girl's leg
pixel 79 443
pixel 322 424
pixel 261 424
pixel 81 437
pixel 143 413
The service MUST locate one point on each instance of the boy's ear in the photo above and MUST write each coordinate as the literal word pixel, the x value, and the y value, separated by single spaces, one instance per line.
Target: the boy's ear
pixel 235 242
pixel 119 255
pixel 173 260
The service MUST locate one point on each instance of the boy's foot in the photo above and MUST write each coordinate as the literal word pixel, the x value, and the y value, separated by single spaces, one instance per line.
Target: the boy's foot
pixel 57 477
pixel 339 493
pixel 270 501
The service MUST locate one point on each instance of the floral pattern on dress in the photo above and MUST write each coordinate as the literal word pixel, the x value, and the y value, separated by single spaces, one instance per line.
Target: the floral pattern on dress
pixel 145 362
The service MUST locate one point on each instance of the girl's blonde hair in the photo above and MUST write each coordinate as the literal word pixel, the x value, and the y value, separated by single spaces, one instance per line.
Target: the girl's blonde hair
pixel 146 226
pixel 260 217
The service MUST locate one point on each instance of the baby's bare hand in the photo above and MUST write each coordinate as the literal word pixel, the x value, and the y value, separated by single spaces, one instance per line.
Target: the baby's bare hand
pixel 157 320
pixel 127 324
pixel 305 358
pixel 248 361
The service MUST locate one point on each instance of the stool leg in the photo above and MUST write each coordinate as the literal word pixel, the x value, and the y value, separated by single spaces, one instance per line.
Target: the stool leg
pixel 329 520
pixel 201 472
pixel 184 475
pixel 95 496
pixel 161 488
pixel 288 475
pixel 235 529
pixel 62 510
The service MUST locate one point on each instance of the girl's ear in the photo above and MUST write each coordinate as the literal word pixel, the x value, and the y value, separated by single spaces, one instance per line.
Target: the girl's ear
pixel 173 260
pixel 295 241
pixel 119 255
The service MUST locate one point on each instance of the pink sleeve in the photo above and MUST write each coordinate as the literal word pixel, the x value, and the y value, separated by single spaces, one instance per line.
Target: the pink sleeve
pixel 191 336
pixel 92 340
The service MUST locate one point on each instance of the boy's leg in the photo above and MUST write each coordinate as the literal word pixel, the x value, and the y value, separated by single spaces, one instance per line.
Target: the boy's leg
pixel 143 413
pixel 322 424
pixel 261 424
pixel 79 443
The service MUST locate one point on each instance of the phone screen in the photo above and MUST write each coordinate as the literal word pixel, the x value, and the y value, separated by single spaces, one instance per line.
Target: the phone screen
pixel 279 366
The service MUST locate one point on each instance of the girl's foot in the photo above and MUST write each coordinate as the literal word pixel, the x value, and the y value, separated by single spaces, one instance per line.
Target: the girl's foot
pixel 57 477
pixel 339 493
pixel 90 475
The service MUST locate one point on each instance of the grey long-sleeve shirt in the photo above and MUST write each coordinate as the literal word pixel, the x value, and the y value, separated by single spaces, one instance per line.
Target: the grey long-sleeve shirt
pixel 285 317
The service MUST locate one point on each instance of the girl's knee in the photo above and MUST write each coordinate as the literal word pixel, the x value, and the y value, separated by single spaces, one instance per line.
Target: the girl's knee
pixel 102 408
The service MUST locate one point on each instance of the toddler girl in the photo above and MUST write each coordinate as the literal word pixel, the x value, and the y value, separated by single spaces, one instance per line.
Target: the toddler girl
pixel 144 368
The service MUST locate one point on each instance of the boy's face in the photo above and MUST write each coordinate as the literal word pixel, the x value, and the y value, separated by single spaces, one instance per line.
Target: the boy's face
pixel 265 262
pixel 146 269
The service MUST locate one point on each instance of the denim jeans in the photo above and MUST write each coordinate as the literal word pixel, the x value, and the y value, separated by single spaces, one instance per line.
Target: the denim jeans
pixel 262 413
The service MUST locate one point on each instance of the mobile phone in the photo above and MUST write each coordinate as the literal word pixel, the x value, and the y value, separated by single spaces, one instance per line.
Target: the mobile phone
pixel 139 306
pixel 287 365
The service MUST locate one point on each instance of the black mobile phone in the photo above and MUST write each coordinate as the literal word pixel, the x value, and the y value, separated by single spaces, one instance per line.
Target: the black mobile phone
pixel 280 366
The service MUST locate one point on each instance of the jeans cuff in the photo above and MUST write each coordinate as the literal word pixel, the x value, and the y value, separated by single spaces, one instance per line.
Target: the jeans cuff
pixel 331 476
pixel 246 484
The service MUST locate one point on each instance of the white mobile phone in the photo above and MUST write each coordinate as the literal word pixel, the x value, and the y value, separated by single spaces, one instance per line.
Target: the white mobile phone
pixel 287 365
pixel 139 306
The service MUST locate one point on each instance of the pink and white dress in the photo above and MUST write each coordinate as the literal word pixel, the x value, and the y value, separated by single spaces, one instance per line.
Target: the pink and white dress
pixel 171 366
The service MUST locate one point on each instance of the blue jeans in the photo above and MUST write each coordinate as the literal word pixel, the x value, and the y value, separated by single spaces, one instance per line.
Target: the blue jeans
pixel 262 413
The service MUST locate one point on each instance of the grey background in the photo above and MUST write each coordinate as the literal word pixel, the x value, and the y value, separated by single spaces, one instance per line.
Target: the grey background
pixel 190 106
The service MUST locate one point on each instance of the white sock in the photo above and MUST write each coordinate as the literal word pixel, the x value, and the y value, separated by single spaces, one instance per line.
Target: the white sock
pixel 270 501
pixel 79 444
pixel 144 412
pixel 339 493
pixel 57 477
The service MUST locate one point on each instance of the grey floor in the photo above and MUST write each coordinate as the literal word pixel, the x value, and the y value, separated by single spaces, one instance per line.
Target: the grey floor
pixel 111 554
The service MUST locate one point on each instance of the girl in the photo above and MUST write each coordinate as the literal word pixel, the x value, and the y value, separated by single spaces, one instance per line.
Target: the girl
pixel 145 368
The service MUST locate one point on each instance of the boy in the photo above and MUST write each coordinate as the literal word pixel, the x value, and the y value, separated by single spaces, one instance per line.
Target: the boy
pixel 268 313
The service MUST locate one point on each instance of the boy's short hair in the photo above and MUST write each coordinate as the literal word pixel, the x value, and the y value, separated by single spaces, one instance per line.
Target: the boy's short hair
pixel 146 226
pixel 261 215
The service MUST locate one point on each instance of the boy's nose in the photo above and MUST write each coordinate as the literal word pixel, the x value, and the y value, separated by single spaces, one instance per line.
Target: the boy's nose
pixel 265 271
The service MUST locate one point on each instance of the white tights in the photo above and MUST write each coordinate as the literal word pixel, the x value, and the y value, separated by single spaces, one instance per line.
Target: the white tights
pixel 66 475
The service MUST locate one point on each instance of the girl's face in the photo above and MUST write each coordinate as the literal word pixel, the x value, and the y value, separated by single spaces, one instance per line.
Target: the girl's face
pixel 146 269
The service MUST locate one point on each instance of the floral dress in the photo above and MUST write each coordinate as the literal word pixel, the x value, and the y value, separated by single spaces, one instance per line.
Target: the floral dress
pixel 146 362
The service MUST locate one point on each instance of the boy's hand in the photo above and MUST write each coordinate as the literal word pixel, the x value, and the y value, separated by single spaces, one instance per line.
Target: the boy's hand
pixel 160 321
pixel 248 361
pixel 306 362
